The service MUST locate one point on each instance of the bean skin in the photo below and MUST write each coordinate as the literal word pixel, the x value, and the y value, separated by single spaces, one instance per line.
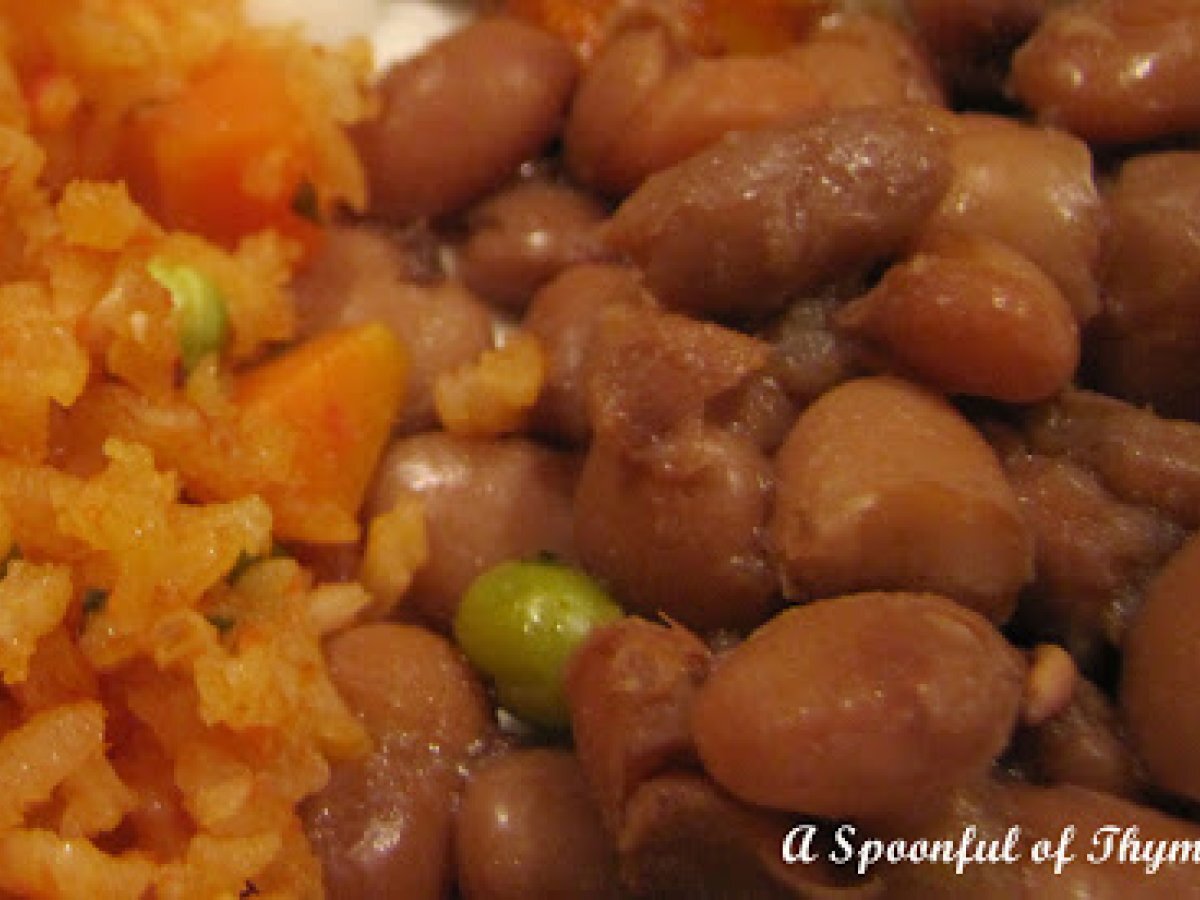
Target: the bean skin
pixel 864 706
pixel 1114 71
pixel 444 136
pixel 883 485
pixel 967 315
pixel 762 216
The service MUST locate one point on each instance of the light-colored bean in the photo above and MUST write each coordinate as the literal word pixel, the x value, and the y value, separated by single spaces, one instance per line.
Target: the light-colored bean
pixel 527 828
pixel 382 826
pixel 525 235
pixel 1114 70
pixel 363 275
pixel 1033 189
pixel 968 315
pixel 1145 342
pixel 484 502
pixel 865 706
pixel 763 216
pixel 883 485
pixel 445 136
pixel 679 104
pixel 564 316
pixel 687 543
pixel 1160 673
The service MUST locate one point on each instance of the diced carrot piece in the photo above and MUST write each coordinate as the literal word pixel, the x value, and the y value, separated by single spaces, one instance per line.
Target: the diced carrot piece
pixel 228 156
pixel 340 392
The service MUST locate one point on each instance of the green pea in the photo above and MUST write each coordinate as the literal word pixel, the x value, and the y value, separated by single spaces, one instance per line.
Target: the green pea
pixel 519 623
pixel 202 313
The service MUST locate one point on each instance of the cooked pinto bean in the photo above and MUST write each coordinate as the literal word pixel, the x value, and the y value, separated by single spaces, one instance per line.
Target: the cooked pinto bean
pixel 972 40
pixel 1094 554
pixel 647 104
pixel 896 699
pixel 382 826
pixel 1114 70
pixel 1162 666
pixel 1033 189
pixel 445 136
pixel 485 502
pixel 525 235
pixel 968 315
pixel 527 828
pixel 883 485
pixel 683 541
pixel 1140 457
pixel 363 275
pixel 1145 343
pixel 1044 813
pixel 564 316
pixel 1084 744
pixel 651 377
pixel 685 838
pixel 630 689
pixel 762 216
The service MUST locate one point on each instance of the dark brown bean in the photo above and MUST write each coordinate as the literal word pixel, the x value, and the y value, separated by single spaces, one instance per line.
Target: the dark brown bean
pixel 564 316
pixel 382 826
pixel 362 275
pixel 1033 189
pixel 630 688
pixel 485 502
pixel 445 136
pixel 1144 344
pixel 883 485
pixel 891 700
pixel 1114 70
pixel 527 828
pixel 766 215
pixel 967 315
pixel 1160 673
pixel 525 235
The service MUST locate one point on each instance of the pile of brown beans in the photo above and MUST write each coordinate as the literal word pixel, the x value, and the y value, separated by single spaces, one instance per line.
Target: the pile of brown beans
pixel 871 395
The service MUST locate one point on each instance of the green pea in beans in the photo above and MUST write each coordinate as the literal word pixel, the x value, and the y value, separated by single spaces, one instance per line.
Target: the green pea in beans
pixel 519 622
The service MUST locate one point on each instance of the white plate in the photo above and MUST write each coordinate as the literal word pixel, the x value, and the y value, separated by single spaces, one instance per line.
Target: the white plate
pixel 397 29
